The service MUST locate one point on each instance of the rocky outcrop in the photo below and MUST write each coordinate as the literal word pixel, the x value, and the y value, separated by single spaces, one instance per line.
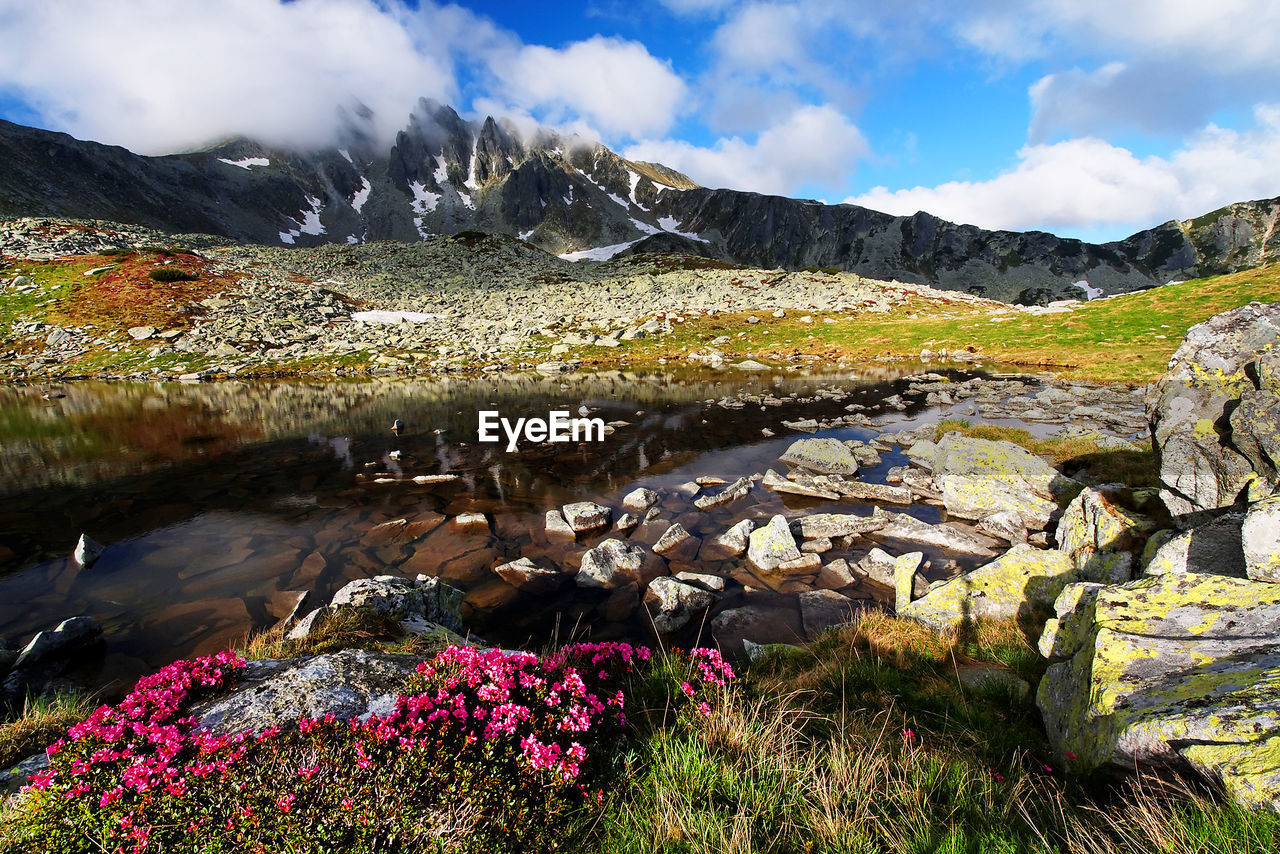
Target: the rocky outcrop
pixel 1215 416
pixel 1176 669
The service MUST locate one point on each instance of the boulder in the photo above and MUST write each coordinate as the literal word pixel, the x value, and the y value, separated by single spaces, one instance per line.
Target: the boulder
pixel 1213 547
pixel 803 486
pixel 1007 525
pixel 527 577
pixel 1002 464
pixel 1101 536
pixel 672 603
pixel 639 500
pixel 967 497
pixel 48 655
pixel 349 684
pixel 1215 415
pixel 821 456
pixel 409 600
pixel 583 516
pixel 1260 540
pixel 904 577
pixel 1064 633
pixel 900 526
pixel 771 546
pixel 1176 669
pixel 826 526
pixel 677 544
pixel 87 551
pixel 1015 584
pixel 738 489
pixel 558 528
pixel 823 609
pixel 732 543
pixel 613 563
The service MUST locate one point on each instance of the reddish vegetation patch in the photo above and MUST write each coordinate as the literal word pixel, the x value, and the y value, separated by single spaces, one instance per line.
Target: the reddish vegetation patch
pixel 126 295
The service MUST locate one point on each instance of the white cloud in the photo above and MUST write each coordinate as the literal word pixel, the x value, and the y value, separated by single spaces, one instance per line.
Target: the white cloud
pixel 1087 184
pixel 615 85
pixel 814 145
pixel 160 75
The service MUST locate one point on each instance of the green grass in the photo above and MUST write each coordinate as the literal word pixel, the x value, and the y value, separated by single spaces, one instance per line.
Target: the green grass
pixel 42 721
pixel 864 742
pixel 1125 339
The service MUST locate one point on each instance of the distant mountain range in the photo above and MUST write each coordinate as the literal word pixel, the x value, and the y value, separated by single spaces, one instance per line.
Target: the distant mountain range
pixel 574 197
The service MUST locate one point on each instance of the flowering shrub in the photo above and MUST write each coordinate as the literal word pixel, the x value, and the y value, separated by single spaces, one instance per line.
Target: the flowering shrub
pixel 485 750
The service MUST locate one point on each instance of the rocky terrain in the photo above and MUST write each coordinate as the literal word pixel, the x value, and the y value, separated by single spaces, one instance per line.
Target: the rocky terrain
pixel 473 301
pixel 444 175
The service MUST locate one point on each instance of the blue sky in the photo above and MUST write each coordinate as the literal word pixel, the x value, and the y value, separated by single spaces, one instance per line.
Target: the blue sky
pixel 1088 118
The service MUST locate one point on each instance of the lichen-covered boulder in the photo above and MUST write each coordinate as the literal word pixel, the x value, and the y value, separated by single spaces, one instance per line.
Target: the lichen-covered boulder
pixel 772 545
pixel 979 477
pixel 1179 669
pixel 1018 582
pixel 1215 415
pixel 821 456
pixel 1101 535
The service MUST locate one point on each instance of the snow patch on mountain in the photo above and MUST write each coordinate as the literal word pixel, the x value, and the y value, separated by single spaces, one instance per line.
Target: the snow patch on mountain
pixel 424 202
pixel 346 155
pixel 635 182
pixel 247 163
pixel 361 195
pixel 599 253
pixel 309 224
pixel 669 224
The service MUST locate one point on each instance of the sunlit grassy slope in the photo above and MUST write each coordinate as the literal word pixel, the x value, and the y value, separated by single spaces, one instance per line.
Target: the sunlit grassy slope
pixel 1127 338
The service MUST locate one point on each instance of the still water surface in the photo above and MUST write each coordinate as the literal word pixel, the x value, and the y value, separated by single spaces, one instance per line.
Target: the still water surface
pixel 219 502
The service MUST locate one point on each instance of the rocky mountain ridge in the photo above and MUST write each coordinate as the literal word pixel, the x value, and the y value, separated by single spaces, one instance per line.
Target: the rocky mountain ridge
pixel 576 198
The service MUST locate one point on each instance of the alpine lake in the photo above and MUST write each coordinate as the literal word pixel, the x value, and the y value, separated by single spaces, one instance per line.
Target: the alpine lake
pixel 219 503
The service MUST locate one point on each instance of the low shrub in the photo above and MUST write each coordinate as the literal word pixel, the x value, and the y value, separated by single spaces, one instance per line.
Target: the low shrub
pixel 172 274
pixel 485 751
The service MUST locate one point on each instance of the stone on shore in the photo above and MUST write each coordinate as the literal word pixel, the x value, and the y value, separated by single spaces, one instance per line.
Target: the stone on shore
pixel 1015 584
pixel 672 603
pixel 1260 540
pixel 1215 415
